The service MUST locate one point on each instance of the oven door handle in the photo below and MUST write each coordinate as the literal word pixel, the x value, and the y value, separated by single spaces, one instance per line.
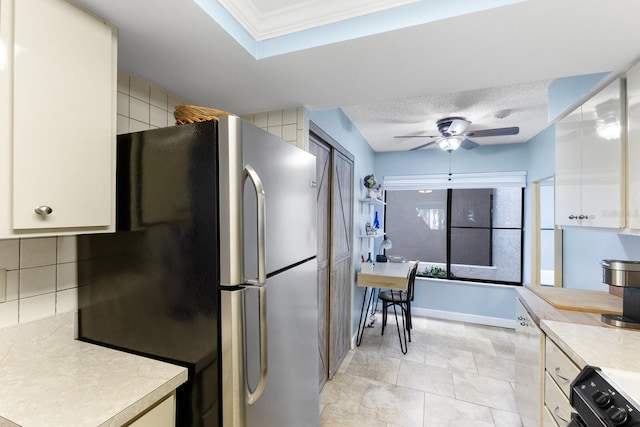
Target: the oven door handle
pixel 576 421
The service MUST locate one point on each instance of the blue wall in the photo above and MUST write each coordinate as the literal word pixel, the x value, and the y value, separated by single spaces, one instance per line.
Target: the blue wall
pixel 583 248
pixel 564 91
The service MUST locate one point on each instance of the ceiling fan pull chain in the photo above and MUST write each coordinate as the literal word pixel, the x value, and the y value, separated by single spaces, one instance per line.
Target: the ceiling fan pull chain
pixel 450 165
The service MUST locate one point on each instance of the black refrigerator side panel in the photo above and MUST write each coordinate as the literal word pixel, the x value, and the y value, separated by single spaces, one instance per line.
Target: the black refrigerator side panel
pixel 151 288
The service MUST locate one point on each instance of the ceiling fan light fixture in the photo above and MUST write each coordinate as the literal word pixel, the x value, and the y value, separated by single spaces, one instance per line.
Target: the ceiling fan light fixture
pixel 450 143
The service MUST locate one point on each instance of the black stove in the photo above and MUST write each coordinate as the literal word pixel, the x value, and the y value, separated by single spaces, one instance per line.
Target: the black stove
pixel 599 401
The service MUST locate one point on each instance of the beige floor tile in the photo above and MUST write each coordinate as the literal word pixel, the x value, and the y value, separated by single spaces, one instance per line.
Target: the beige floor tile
pixel 383 369
pixel 454 374
pixel 345 392
pixel 442 411
pixel 485 391
pixel 392 404
pixel 459 361
pixel 431 379
pixel 333 417
pixel 505 419
pixel 495 367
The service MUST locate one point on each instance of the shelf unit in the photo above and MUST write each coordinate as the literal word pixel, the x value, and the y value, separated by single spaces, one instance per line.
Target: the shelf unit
pixel 368 208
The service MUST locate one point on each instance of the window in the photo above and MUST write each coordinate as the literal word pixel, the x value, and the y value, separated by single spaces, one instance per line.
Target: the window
pixel 463 233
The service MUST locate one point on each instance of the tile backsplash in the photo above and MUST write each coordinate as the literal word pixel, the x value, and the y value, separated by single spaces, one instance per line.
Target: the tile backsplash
pixel 38 276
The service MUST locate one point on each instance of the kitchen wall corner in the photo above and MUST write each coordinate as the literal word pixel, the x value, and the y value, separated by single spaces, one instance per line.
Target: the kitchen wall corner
pixel 40 273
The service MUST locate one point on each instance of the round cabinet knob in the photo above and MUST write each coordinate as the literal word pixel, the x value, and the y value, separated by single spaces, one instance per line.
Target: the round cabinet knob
pixel 43 210
pixel 618 415
pixel 601 398
pixel 582 217
pixel 573 217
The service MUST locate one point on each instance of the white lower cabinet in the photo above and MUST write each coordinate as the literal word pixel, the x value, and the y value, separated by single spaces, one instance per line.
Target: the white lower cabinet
pixel 559 373
pixel 547 418
pixel 556 402
pixel 57 119
pixel 161 415
pixel 529 367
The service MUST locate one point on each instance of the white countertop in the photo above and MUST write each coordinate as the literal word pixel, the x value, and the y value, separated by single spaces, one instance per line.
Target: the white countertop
pixel 596 346
pixel 47 378
pixel 614 350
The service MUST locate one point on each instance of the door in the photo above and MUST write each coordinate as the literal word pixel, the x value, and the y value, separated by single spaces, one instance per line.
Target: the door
pixel 341 254
pixel 322 152
pixel 335 212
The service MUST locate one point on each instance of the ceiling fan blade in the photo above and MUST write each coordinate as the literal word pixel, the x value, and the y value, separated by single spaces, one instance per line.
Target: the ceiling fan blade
pixel 417 136
pixel 468 144
pixel 458 126
pixel 493 132
pixel 423 145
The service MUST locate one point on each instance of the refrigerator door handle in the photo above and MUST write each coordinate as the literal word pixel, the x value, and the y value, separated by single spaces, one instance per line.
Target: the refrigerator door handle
pixel 262 225
pixel 259 284
pixel 253 396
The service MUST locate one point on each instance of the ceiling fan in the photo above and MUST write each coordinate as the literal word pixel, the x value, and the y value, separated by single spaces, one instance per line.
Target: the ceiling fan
pixel 453 135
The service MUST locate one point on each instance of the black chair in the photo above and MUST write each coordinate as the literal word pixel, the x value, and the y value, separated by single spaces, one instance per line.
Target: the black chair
pixel 400 299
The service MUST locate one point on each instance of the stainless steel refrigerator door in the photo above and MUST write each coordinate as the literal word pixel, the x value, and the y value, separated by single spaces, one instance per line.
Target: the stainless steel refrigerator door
pixel 291 394
pixel 288 175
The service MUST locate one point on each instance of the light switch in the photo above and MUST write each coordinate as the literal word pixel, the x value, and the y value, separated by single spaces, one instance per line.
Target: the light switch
pixel 3 285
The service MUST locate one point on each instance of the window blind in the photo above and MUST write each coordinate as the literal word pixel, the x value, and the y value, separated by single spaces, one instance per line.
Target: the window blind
pixel 458 180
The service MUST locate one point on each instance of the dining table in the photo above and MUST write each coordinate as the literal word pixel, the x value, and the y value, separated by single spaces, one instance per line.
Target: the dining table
pixel 382 275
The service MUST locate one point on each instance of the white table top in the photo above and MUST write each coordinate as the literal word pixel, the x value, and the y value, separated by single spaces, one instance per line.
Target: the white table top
pixel 389 275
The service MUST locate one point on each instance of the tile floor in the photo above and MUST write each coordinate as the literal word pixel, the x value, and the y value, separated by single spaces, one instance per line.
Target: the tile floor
pixel 454 374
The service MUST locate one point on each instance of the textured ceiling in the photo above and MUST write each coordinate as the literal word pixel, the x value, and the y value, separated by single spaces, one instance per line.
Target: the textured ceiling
pixel 178 47
pixel 523 105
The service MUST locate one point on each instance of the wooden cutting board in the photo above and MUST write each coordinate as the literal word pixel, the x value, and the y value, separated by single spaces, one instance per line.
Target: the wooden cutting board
pixel 579 300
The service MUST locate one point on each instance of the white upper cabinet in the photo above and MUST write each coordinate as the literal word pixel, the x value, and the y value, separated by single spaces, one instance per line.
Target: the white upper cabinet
pixel 58 120
pixel 633 146
pixel 590 169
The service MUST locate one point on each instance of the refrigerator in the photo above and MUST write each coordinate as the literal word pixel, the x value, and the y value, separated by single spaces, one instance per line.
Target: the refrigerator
pixel 212 267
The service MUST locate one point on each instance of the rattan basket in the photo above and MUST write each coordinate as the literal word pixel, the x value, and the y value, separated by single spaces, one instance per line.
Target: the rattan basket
pixel 192 113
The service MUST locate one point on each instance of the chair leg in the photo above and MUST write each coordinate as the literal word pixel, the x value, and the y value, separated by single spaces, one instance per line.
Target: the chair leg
pixel 409 323
pixel 384 316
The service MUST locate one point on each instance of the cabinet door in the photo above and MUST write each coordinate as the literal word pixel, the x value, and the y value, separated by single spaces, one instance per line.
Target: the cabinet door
pixel 602 159
pixel 529 367
pixel 63 116
pixel 568 169
pixel 633 146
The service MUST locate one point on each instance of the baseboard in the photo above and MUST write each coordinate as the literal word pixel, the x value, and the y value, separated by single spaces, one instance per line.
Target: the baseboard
pixel 453 316
pixel 464 317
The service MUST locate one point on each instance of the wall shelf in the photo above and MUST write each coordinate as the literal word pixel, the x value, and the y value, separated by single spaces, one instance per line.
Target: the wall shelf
pixel 379 233
pixel 372 201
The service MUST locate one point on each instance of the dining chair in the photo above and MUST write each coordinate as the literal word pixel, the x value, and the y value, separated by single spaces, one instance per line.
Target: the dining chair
pixel 400 299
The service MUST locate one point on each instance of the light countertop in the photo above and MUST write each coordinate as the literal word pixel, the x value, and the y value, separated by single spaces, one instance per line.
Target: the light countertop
pixel 596 346
pixel 47 378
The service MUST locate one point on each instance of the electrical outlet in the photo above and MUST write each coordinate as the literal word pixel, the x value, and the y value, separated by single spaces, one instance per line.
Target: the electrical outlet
pixel 3 285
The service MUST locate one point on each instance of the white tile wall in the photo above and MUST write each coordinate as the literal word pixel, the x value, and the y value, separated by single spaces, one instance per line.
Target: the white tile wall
pixel 40 278
pixel 41 273
pixel 142 106
pixel 289 124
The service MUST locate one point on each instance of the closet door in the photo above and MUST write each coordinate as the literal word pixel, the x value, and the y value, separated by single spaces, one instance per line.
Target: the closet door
pixel 341 260
pixel 334 177
pixel 323 182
